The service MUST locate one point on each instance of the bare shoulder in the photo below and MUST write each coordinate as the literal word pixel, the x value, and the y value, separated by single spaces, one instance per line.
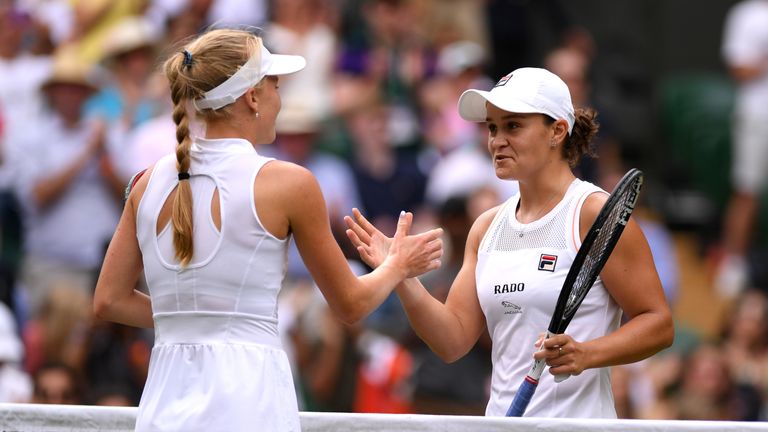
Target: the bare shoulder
pixel 590 209
pixel 484 220
pixel 287 174
pixel 481 225
pixel 290 184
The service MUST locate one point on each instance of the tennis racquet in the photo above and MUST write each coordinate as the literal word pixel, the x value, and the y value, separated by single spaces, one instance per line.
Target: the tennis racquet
pixel 589 261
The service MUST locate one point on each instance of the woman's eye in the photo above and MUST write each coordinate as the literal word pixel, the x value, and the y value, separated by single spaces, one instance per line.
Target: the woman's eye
pixel 492 128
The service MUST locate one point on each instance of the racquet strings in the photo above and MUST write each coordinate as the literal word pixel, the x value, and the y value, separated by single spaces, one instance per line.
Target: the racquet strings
pixel 606 237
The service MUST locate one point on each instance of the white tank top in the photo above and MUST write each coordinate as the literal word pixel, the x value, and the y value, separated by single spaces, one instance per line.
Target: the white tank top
pixel 520 270
pixel 236 271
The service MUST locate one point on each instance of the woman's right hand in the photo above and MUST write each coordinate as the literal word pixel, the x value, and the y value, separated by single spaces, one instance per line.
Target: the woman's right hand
pixel 413 254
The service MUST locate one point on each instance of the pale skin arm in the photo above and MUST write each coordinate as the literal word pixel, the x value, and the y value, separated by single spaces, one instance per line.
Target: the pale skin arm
pixel 116 297
pixel 631 279
pixel 349 297
pixel 452 328
pixel 298 200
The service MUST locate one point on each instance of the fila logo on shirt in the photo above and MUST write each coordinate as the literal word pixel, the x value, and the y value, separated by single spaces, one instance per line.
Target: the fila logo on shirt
pixel 547 262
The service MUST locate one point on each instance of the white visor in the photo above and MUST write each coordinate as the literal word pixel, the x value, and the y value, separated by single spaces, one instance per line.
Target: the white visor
pixel 253 71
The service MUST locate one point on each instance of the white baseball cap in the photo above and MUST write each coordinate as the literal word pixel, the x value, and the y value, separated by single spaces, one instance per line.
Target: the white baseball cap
pixel 256 68
pixel 524 90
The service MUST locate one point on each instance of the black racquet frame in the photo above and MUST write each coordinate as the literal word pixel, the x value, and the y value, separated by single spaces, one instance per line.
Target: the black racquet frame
pixel 579 281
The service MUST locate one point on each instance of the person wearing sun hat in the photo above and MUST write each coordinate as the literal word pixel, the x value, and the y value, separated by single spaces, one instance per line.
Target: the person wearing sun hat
pixel 132 93
pixel 129 56
pixel 209 227
pixel 68 208
pixel 518 254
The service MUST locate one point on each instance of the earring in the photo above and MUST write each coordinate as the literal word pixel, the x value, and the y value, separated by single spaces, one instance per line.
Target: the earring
pixel 257 114
pixel 552 144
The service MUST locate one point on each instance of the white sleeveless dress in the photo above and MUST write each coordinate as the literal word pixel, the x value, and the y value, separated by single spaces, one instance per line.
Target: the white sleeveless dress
pixel 217 363
pixel 520 270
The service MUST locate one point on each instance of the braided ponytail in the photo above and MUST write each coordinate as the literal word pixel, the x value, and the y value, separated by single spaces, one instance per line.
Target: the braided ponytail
pixel 181 216
pixel 202 65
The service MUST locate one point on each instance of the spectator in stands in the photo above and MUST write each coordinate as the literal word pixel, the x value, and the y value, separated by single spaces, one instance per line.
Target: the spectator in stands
pixel 745 342
pixel 745 49
pixel 304 27
pixel 393 53
pixel 707 391
pixel 66 188
pixel 574 67
pixel 459 163
pixel 92 21
pixel 131 95
pixel 116 357
pixel 324 351
pixel 459 66
pixel 389 179
pixel 23 73
pixel 461 387
pixel 15 383
pixel 111 395
pixel 58 333
pixel 56 383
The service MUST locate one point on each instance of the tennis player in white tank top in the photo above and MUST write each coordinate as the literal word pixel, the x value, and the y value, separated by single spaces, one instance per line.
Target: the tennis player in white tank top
pixel 209 227
pixel 517 256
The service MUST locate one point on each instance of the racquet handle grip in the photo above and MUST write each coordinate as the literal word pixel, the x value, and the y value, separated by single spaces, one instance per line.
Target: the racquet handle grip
pixel 522 397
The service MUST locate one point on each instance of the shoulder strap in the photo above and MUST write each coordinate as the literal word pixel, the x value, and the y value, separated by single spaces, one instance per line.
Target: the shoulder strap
pixel 503 208
pixel 132 182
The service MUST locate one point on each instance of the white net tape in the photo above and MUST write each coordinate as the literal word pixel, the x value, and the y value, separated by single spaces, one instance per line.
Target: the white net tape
pixel 62 418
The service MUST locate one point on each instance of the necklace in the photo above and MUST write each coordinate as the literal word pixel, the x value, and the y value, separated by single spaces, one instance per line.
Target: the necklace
pixel 538 214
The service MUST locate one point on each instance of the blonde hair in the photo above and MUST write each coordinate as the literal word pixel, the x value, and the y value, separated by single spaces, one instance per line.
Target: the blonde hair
pixel 200 66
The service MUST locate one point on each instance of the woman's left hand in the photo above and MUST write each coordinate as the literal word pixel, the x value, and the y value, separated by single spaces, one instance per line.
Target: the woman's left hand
pixel 564 355
pixel 371 244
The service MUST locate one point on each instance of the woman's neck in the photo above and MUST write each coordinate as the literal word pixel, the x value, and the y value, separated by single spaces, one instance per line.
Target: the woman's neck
pixel 540 195
pixel 222 130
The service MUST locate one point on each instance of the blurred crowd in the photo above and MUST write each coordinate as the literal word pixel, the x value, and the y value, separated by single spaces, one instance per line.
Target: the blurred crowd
pixel 83 107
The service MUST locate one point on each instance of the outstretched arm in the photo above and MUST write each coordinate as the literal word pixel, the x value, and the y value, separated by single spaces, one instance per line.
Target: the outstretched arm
pixel 450 329
pixel 350 297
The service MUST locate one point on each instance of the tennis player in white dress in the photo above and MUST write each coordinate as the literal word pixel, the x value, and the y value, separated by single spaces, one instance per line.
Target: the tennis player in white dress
pixel 209 226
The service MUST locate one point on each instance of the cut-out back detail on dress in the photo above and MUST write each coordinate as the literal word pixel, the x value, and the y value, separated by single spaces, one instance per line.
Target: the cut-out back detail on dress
pixel 216 319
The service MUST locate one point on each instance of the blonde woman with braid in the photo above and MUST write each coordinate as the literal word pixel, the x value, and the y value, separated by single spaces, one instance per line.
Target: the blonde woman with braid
pixel 209 227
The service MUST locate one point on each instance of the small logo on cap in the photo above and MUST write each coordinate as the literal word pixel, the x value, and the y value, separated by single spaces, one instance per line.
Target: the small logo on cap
pixel 504 80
